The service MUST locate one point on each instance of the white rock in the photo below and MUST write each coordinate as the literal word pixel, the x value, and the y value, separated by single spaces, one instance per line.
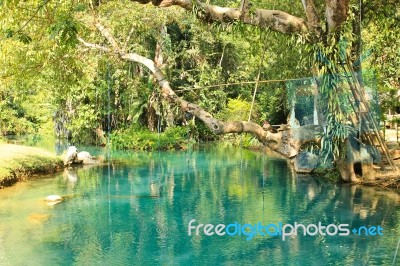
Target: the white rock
pixel 85 158
pixel 71 155
pixel 53 198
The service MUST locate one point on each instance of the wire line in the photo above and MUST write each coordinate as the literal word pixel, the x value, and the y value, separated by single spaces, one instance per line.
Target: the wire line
pixel 240 83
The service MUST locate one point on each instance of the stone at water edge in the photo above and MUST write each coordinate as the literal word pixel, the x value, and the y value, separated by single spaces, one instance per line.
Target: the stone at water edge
pixel 72 153
pixel 53 199
pixel 305 162
pixel 85 158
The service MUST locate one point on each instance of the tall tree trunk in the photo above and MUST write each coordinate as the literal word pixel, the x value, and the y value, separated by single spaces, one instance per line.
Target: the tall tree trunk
pixel 151 114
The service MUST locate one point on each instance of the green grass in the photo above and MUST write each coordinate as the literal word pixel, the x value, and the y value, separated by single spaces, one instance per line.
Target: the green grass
pixel 21 163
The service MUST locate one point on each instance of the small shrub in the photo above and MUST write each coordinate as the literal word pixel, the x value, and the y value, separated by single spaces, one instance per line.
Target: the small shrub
pixel 238 110
pixel 143 139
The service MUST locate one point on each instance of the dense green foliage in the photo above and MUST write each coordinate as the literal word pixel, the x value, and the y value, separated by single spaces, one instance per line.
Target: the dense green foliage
pixel 49 82
pixel 83 93
pixel 143 139
pixel 382 49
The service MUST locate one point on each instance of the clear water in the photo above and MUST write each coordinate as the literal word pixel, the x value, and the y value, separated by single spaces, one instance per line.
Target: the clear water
pixel 136 209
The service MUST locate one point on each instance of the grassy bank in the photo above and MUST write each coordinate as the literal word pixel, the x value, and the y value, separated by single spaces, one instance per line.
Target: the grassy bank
pixel 21 162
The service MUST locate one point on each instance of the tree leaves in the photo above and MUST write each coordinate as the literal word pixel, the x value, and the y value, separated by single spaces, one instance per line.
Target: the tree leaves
pixel 64 31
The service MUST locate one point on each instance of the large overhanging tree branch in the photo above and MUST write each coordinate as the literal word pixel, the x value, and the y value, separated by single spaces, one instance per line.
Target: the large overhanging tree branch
pixel 286 142
pixel 274 19
pixel 336 12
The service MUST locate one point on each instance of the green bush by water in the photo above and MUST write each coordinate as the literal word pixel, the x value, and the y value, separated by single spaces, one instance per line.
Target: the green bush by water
pixel 143 139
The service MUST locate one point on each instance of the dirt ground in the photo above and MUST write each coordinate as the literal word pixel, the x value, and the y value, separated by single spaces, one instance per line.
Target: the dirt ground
pixel 388 179
pixel 391 138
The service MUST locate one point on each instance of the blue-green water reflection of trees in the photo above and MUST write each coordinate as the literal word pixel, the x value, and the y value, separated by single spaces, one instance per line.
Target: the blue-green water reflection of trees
pixel 136 209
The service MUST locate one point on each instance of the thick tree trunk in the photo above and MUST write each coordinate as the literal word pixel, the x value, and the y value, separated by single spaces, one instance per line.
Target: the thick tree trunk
pixel 336 13
pixel 345 164
pixel 151 114
pixel 346 170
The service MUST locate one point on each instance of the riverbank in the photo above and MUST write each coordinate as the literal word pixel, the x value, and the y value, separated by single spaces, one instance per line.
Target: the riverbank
pixel 21 162
pixel 383 179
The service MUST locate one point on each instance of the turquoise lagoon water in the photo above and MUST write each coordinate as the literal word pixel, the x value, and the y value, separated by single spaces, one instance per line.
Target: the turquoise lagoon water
pixel 135 210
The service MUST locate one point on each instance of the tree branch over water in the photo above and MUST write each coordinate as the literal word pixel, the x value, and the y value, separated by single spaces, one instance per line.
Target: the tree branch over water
pixel 287 142
pixel 273 19
pixel 336 13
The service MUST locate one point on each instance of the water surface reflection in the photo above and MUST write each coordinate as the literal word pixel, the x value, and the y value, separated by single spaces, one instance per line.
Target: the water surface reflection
pixel 135 210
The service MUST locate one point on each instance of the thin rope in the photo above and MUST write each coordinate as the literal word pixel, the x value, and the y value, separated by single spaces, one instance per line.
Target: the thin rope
pixel 158 124
pixel 397 249
pixel 239 83
pixel 241 166
pixel 258 78
pixel 264 175
pixel 360 38
pixel 97 104
pixel 108 106
pixel 360 69
pixel 108 151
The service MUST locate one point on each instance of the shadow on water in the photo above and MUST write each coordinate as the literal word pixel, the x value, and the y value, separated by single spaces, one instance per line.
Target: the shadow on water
pixel 136 209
